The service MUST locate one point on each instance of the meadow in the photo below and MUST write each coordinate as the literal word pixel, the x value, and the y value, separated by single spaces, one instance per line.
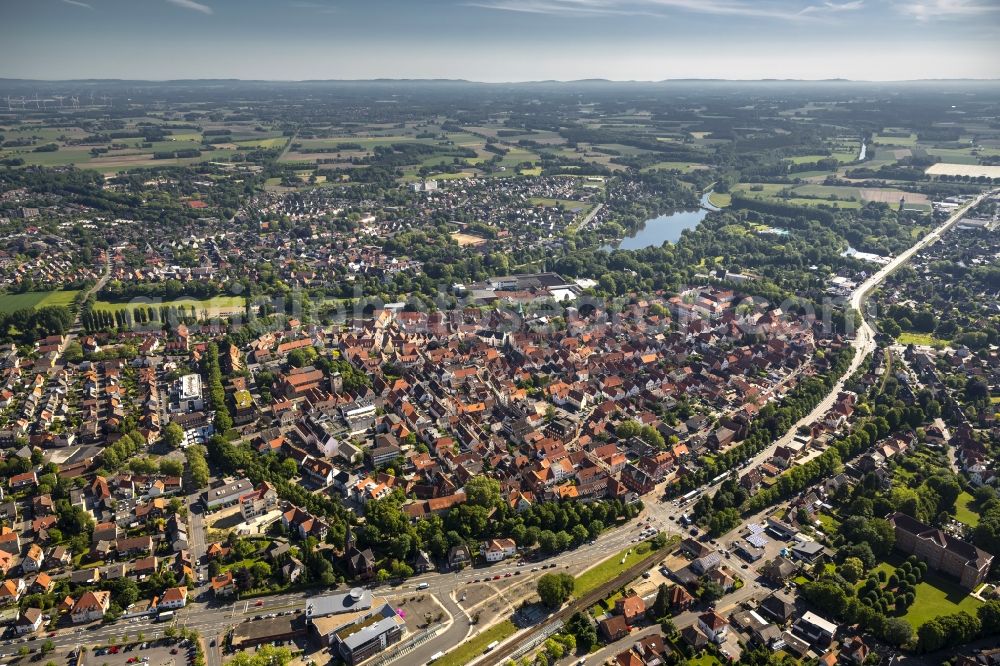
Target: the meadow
pixel 35 299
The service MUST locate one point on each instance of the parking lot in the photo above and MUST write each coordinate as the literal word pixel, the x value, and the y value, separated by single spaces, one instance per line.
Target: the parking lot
pixel 135 655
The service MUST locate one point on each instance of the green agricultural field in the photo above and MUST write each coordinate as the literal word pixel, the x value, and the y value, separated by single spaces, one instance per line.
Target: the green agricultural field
pixel 758 189
pixel 277 142
pixel 828 191
pixel 517 155
pixel 35 299
pixel 61 157
pixel 799 201
pixel 908 142
pixel 954 155
pixel 683 167
pixel 807 159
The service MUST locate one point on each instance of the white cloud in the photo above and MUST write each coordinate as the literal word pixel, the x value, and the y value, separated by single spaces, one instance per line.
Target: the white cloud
pixel 832 8
pixel 924 10
pixel 77 3
pixel 774 10
pixel 192 5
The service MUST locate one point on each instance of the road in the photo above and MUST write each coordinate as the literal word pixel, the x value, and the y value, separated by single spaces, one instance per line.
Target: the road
pixel 590 217
pixel 75 329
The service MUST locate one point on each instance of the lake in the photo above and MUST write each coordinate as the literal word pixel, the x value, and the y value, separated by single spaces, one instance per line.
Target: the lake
pixel 666 227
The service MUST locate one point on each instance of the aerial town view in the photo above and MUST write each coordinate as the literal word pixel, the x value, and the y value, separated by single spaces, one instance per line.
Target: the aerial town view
pixel 510 332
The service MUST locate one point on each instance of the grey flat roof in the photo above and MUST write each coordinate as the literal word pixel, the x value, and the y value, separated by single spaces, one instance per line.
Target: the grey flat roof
pixel 366 634
pixel 334 604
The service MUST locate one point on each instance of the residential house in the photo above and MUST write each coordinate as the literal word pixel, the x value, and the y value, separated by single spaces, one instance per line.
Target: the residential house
pixel 496 550
pixel 631 607
pixel 223 585
pixel 174 597
pixel 91 606
pixel 29 621
pixel 11 591
pixel 33 559
pixel 613 628
pixel 713 625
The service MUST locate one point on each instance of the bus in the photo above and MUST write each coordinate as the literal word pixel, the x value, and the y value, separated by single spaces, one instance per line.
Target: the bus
pixel 492 646
pixel 434 657
pixel 688 497
pixel 164 616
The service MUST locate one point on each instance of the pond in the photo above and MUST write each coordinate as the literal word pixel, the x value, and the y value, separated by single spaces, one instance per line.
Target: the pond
pixel 654 231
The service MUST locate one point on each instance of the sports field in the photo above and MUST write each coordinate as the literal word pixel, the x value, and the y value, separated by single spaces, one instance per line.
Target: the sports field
pixel 219 305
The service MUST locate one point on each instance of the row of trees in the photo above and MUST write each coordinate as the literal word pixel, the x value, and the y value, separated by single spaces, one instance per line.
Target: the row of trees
pixel 771 422
pixel 216 391
pixel 30 325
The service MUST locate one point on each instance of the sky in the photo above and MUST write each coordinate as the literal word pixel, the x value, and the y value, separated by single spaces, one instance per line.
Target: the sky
pixel 500 40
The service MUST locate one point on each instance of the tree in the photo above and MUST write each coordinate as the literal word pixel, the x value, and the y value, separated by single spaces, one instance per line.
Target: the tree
pixel 989 616
pixel 554 648
pixel 171 467
pixel 265 655
pixel 711 591
pixel 483 491
pixel 580 626
pixel 173 435
pixel 555 589
pixel 661 605
pixel 897 631
pixel 852 569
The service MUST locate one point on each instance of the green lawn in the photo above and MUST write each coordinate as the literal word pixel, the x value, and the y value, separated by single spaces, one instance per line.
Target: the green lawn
pixel 964 511
pixel 611 567
pixel 568 204
pixel 830 524
pixel 936 595
pixel 474 647
pixel 706 659
pixel 720 200
pixel 926 339
pixel 35 299
pixel 214 306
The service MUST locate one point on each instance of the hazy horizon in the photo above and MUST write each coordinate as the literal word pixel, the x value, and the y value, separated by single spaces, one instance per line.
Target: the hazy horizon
pixel 500 41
